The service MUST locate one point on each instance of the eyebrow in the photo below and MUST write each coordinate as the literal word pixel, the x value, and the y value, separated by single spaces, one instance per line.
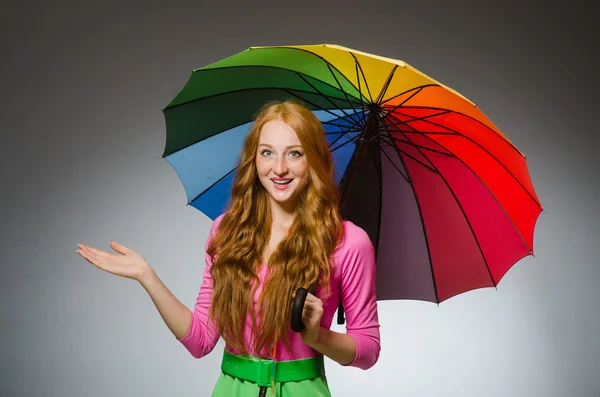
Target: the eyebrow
pixel 287 147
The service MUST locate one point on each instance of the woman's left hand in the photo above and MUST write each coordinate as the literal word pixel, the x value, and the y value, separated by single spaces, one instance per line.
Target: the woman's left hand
pixel 311 317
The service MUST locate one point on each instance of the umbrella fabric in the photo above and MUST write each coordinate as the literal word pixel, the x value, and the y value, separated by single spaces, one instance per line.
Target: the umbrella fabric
pixel 444 195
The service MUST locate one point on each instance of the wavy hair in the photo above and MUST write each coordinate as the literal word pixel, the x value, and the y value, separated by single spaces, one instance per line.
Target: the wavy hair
pixel 302 258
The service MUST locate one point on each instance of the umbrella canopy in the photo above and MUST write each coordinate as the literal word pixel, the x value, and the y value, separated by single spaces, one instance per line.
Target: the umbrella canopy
pixel 444 196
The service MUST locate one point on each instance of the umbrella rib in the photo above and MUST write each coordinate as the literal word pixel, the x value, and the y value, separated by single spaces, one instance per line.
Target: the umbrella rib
pixel 336 140
pixel 329 65
pixel 345 133
pixel 340 86
pixel 314 104
pixel 342 134
pixel 416 91
pixel 477 144
pixel 211 186
pixel 394 164
pixel 415 159
pixel 354 139
pixel 413 118
pixel 387 84
pixel 357 65
pixel 335 124
pixel 329 100
pixel 359 124
pixel 245 122
pixel 462 114
pixel 437 299
pixel 488 189
pixel 423 147
pixel 358 80
pixel 254 88
pixel 465 217
pixel 348 134
pixel 350 120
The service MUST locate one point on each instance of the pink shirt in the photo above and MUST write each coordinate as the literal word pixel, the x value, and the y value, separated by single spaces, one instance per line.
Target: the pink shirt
pixel 352 280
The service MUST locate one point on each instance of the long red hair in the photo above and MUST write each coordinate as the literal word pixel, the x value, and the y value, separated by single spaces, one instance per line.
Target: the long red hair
pixel 302 258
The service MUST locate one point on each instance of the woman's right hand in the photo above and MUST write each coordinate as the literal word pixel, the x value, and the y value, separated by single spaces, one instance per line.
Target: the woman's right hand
pixel 126 263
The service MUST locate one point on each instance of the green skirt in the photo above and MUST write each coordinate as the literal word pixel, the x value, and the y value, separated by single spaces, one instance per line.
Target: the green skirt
pixel 228 386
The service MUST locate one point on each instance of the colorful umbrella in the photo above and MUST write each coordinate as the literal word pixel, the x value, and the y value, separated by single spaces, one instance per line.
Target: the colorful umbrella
pixel 445 197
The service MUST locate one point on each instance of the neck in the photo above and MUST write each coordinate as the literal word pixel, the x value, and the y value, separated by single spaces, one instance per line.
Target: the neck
pixel 281 216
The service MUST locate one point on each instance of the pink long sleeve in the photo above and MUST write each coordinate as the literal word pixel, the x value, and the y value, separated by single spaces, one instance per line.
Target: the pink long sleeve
pixel 357 292
pixel 352 281
pixel 203 335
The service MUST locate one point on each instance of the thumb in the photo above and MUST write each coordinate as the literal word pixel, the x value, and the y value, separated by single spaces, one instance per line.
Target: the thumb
pixel 121 249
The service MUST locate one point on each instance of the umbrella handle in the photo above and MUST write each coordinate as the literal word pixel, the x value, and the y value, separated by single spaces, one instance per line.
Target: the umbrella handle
pixel 298 307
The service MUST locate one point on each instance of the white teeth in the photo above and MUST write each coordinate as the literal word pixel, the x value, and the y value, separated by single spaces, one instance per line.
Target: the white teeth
pixel 282 182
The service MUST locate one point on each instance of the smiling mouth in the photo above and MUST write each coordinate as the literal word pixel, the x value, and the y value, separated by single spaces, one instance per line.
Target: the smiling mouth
pixel 282 182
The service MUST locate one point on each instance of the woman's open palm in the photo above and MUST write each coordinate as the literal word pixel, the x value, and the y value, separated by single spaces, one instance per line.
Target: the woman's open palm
pixel 126 263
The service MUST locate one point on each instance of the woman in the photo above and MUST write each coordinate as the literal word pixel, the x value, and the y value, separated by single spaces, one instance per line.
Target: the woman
pixel 282 231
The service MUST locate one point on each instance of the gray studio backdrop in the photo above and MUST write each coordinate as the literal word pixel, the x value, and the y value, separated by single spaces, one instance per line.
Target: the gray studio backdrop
pixel 83 86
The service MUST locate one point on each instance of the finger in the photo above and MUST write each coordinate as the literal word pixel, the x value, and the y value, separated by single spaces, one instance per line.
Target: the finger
pixel 102 263
pixel 311 298
pixel 84 257
pixel 313 308
pixel 99 253
pixel 310 319
pixel 88 249
pixel 88 256
pixel 121 249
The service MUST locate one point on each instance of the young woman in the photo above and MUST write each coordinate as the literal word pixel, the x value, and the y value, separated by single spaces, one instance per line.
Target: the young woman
pixel 282 230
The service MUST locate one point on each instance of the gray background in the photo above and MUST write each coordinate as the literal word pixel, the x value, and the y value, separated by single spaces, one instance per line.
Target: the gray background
pixel 83 86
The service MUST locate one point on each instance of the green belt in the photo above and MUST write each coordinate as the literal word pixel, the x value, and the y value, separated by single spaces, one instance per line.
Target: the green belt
pixel 259 370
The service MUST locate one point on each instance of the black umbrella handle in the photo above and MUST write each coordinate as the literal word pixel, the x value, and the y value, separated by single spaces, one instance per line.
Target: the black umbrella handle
pixel 298 307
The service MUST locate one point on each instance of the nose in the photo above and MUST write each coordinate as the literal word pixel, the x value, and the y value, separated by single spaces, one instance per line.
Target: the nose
pixel 281 167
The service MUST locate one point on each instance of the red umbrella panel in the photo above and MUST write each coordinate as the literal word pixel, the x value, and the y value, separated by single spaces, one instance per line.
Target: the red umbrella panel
pixel 446 198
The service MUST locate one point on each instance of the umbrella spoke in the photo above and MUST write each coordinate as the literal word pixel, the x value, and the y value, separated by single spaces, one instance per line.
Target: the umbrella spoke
pixel 418 204
pixel 346 131
pixel 216 132
pixel 359 124
pixel 464 214
pixel 358 79
pixel 324 96
pixel 342 135
pixel 416 91
pixel 485 185
pixel 354 139
pixel 422 118
pixel 478 145
pixel 405 177
pixel 422 147
pixel 400 151
pixel 339 89
pixel 340 86
pixel 314 105
pixel 357 65
pixel 211 186
pixel 386 85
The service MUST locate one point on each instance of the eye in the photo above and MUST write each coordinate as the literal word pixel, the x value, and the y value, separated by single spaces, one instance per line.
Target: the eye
pixel 296 153
pixel 265 152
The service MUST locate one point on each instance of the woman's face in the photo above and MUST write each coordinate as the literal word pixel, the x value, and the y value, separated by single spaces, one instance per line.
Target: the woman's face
pixel 281 163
